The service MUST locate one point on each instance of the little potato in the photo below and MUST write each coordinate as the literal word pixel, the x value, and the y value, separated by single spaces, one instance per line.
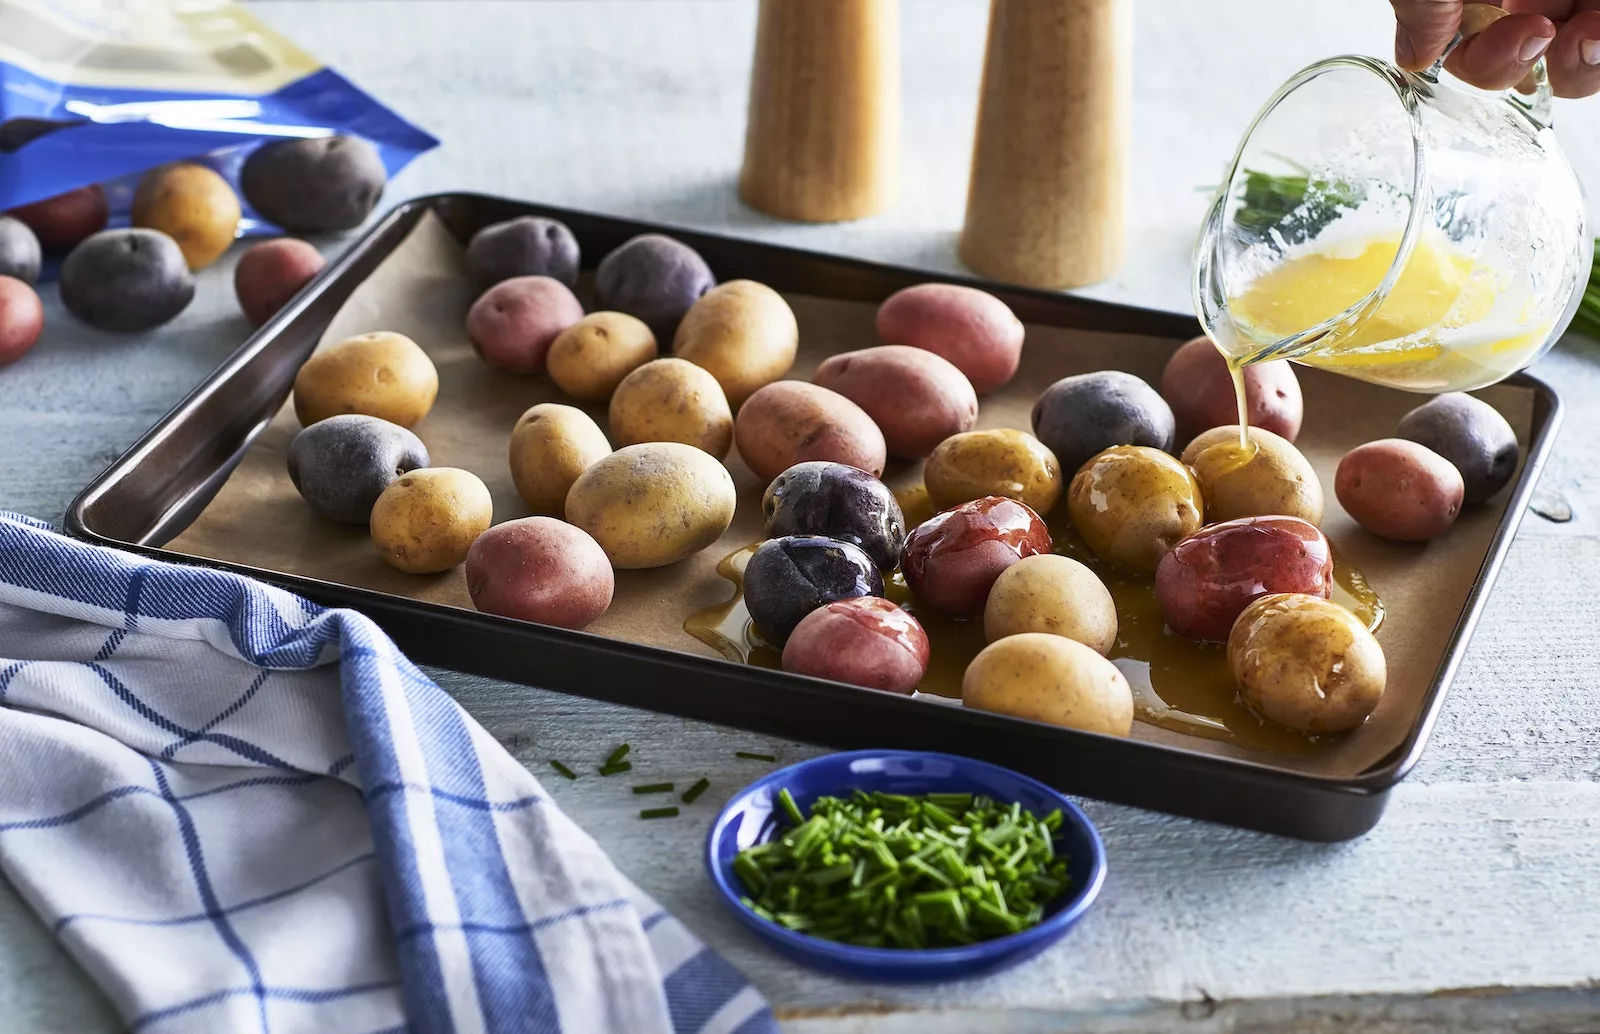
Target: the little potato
pixel 1051 593
pixel 1272 479
pixel 794 422
pixel 973 329
pixel 917 398
pixel 540 569
pixel 1306 663
pixel 381 374
pixel 653 504
pixel 1132 503
pixel 426 521
pixel 590 358
pixel 741 331
pixel 1002 461
pixel 192 205
pixel 550 446
pixel 1049 678
pixel 672 400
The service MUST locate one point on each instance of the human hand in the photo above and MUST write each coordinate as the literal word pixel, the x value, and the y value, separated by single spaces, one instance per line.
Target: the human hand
pixel 1566 33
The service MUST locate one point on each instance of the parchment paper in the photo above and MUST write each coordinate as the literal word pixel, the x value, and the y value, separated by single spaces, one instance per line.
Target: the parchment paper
pixel 422 290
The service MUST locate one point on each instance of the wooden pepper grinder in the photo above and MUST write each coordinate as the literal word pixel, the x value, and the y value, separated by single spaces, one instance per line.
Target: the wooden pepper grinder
pixel 1050 161
pixel 823 140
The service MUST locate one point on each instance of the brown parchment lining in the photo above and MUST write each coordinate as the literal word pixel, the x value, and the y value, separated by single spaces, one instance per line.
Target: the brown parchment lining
pixel 422 290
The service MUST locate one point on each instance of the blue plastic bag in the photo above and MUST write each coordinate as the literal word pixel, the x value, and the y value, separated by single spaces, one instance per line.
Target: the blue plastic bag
pixel 98 91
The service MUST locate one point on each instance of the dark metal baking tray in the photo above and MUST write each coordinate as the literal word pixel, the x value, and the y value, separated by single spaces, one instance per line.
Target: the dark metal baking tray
pixel 163 482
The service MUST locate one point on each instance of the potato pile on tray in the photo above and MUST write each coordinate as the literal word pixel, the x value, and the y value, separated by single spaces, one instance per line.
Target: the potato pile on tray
pixel 1229 535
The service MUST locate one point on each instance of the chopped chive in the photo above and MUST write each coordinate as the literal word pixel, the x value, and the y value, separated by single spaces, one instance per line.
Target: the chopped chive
pixel 659 813
pixel 610 770
pixel 693 793
pixel 653 788
pixel 617 755
pixel 749 756
pixel 786 801
pixel 563 769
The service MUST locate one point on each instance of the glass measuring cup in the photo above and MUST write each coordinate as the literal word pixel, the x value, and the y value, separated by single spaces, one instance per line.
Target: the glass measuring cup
pixel 1384 225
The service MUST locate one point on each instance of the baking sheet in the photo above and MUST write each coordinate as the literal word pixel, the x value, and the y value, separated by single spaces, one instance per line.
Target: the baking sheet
pixel 422 290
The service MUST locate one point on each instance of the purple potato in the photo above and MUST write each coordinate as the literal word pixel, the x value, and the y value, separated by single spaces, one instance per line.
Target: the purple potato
pixel 1472 435
pixel 1080 417
pixel 653 278
pixel 839 502
pixel 20 253
pixel 341 465
pixel 787 578
pixel 126 280
pixel 528 245
pixel 312 185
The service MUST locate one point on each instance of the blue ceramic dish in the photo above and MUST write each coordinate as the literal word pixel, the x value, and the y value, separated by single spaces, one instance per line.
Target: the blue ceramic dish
pixel 751 818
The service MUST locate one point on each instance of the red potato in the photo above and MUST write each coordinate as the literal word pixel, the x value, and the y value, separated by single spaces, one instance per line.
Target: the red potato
pixel 1205 581
pixel 952 560
pixel 64 220
pixel 271 273
pixel 1399 490
pixel 794 422
pixel 974 330
pixel 866 641
pixel 917 398
pixel 540 569
pixel 513 324
pixel 1197 385
pixel 21 319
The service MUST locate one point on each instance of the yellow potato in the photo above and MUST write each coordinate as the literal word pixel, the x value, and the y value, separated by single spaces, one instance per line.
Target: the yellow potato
pixel 653 504
pixel 426 521
pixel 741 331
pixel 1272 478
pixel 1306 662
pixel 192 205
pixel 590 358
pixel 550 446
pixel 1132 503
pixel 380 374
pixel 1051 593
pixel 672 400
pixel 1003 461
pixel 1049 678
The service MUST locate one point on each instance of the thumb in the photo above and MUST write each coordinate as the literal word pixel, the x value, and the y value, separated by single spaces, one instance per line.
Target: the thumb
pixel 1423 28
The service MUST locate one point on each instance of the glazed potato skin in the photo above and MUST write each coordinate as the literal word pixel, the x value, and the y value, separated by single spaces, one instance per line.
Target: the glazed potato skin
pixel 1050 678
pixel 841 502
pixel 653 504
pixel 381 374
pixel 551 445
pixel 540 569
pixel 1053 594
pixel 789 577
pixel 1002 461
pixel 1273 480
pixel 866 641
pixel 1132 503
pixel 1206 580
pixel 1197 385
pixel 1399 490
pixel 428 519
pixel 973 329
pixel 672 400
pixel 794 422
pixel 271 273
pixel 744 333
pixel 191 204
pixel 952 559
pixel 916 397
pixel 590 358
pixel 513 324
pixel 1306 663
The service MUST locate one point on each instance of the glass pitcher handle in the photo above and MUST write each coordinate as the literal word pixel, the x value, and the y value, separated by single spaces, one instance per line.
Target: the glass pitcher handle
pixel 1474 19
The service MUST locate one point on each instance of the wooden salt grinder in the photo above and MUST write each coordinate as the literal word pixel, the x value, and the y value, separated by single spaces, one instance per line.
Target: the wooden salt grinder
pixel 1050 161
pixel 823 140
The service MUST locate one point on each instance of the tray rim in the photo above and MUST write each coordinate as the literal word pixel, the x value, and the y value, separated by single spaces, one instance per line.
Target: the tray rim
pixel 1375 781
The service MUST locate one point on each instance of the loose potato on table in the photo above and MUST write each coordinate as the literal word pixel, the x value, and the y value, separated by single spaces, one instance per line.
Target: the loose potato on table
pixel 1207 579
pixel 381 374
pixel 788 578
pixel 427 520
pixel 1306 663
pixel 1472 435
pixel 341 465
pixel 62 221
pixel 1399 490
pixel 1054 594
pixel 540 569
pixel 917 398
pixel 1079 417
pixel 1197 385
pixel 551 446
pixel 315 184
pixel 1269 478
pixel 20 253
pixel 1132 503
pixel 528 245
pixel 653 504
pixel 513 324
pixel 841 502
pixel 271 273
pixel 1050 678
pixel 21 319
pixel 792 422
pixel 866 641
pixel 744 333
pixel 672 400
pixel 126 280
pixel 654 278
pixel 1001 461
pixel 590 358
pixel 973 329
pixel 191 204
pixel 952 559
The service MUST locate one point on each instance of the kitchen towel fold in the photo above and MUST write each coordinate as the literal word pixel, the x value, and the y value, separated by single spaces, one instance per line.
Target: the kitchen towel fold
pixel 242 812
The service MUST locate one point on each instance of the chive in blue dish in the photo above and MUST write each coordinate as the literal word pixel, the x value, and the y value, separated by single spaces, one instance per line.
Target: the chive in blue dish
pixel 948 893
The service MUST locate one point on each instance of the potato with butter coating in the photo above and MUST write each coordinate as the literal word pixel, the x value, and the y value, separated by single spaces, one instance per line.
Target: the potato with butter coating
pixel 1001 461
pixel 653 504
pixel 1132 503
pixel 1306 663
pixel 550 446
pixel 1049 678
pixel 1270 478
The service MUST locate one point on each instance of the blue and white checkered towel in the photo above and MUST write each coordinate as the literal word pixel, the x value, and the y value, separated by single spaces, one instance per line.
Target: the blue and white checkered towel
pixel 242 812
